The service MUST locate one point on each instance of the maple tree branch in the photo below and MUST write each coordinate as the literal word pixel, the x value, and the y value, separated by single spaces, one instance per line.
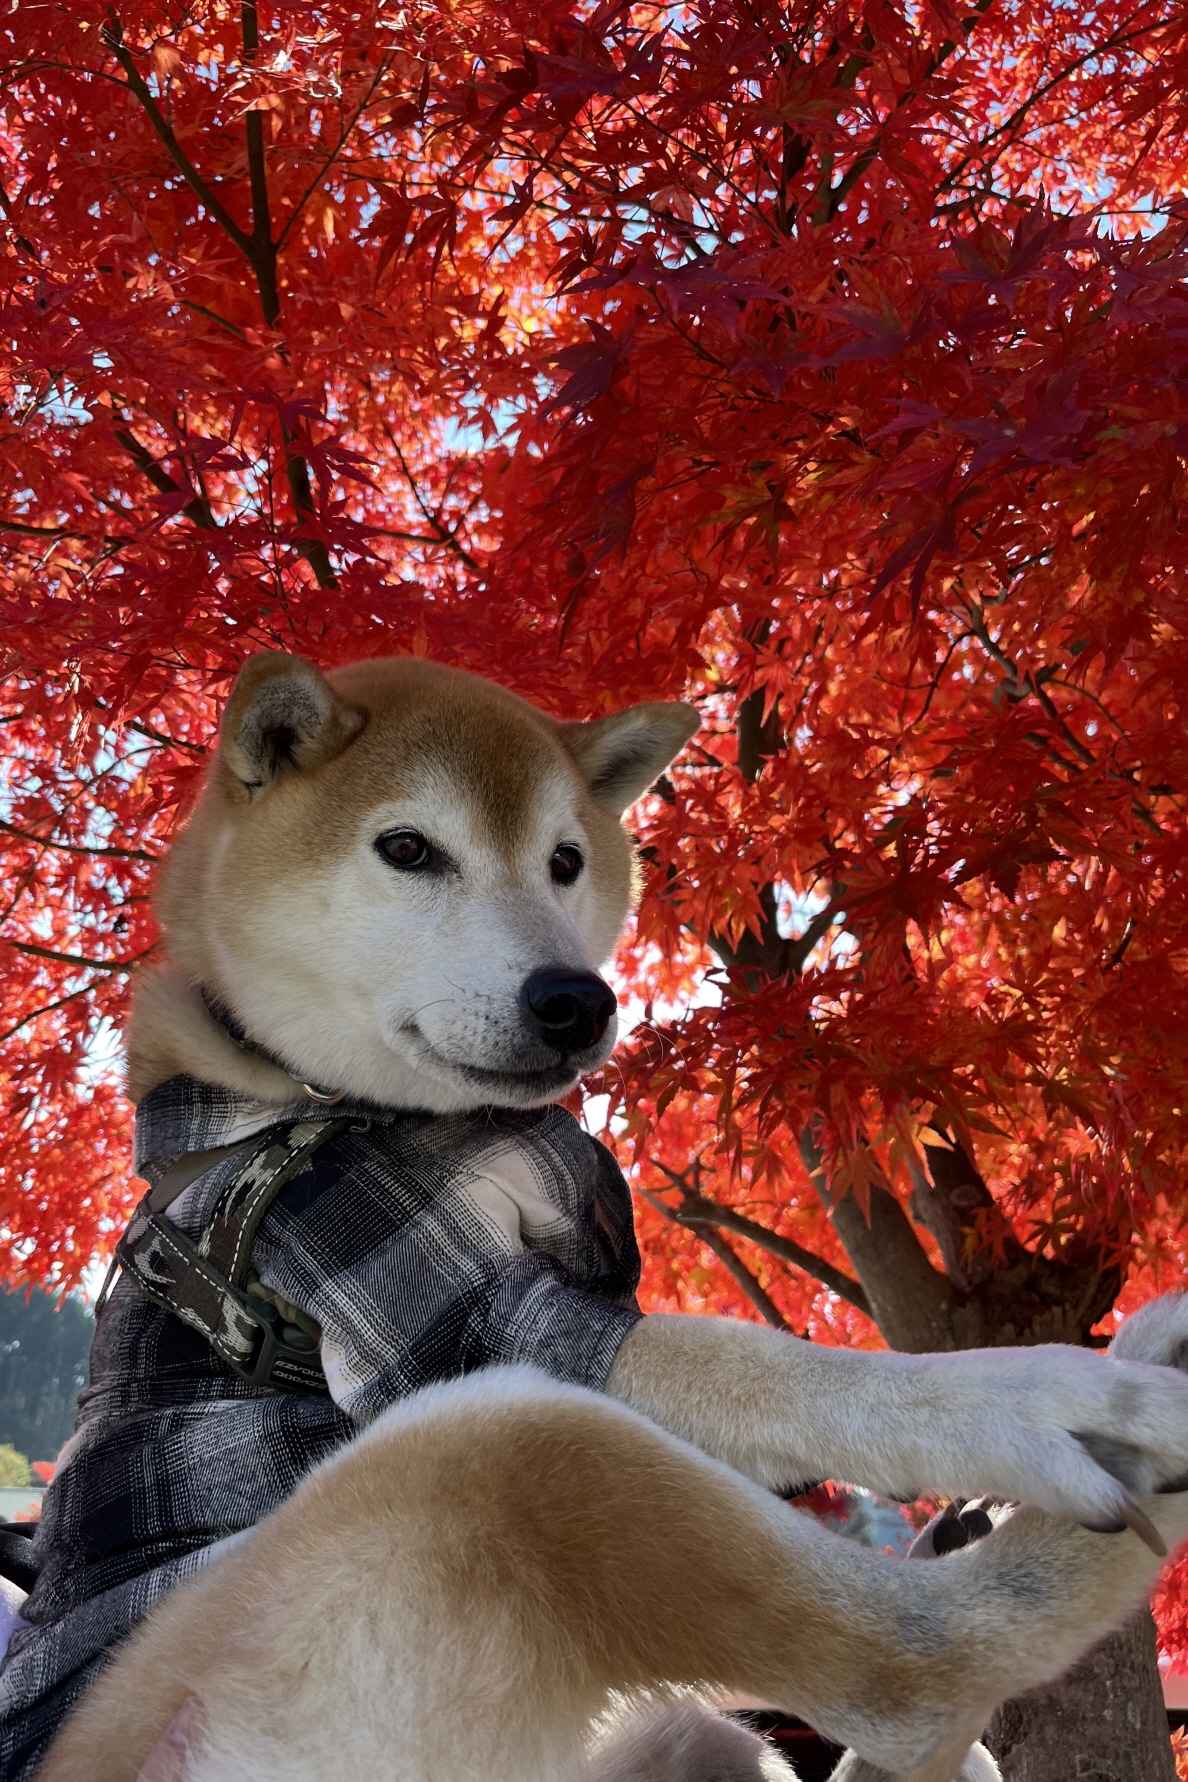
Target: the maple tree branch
pixel 264 254
pixel 424 538
pixel 77 958
pixel 344 137
pixel 910 1301
pixel 447 536
pixel 759 738
pixel 948 1196
pixel 23 243
pixel 301 489
pixel 113 36
pixel 795 148
pixel 18 526
pixel 45 1009
pixel 616 199
pixel 197 509
pixel 768 954
pixel 169 742
pixel 760 956
pixel 1022 684
pixel 200 309
pixel 696 1210
pixel 1029 685
pixel 734 1266
pixel 741 1274
pixel 257 248
pixel 801 945
pixel 935 682
pixel 838 194
pixel 1119 952
pixel 44 841
pixel 765 954
pixel 1121 37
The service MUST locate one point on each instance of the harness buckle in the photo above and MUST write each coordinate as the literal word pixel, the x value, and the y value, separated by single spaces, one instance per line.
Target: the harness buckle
pixel 284 1354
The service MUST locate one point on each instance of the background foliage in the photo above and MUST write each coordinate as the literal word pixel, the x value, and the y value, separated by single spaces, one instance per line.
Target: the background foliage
pixel 14 1468
pixel 44 1347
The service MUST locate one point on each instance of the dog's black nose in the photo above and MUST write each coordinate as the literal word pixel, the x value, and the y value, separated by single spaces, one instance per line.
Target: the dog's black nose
pixel 568 1010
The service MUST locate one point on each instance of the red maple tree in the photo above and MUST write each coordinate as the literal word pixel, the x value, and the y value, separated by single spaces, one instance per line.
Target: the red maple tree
pixel 826 364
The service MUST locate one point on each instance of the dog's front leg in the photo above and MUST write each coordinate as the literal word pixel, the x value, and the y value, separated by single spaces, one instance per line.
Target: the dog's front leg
pixel 1073 1432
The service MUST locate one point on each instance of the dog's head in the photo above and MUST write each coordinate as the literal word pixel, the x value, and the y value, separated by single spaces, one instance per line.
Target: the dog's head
pixel 400 879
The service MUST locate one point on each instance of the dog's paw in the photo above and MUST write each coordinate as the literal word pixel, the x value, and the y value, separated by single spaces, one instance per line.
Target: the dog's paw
pixel 1079 1434
pixel 1158 1336
pixel 958 1525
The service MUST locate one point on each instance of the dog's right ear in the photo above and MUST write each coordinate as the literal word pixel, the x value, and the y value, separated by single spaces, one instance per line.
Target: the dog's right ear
pixel 619 757
pixel 282 717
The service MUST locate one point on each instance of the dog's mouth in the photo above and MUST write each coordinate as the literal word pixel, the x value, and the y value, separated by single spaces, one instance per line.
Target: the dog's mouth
pixel 515 1087
pixel 534 1083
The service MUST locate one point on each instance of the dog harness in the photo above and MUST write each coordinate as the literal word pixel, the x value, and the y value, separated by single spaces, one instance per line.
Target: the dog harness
pixel 208 1283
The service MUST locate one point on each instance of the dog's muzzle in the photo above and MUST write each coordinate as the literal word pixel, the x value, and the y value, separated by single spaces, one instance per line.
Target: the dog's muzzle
pixel 568 1011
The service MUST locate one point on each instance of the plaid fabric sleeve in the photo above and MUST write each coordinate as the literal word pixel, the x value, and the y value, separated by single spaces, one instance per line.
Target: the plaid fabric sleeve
pixel 427 1249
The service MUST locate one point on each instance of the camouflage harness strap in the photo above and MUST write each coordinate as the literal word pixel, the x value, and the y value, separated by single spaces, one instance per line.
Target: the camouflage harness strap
pixel 208 1283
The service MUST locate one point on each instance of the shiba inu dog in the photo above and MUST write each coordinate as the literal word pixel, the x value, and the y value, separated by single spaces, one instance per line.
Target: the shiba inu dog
pixel 400 882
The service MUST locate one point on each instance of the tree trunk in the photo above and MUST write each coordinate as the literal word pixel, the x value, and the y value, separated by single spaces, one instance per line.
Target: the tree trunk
pixel 1103 1721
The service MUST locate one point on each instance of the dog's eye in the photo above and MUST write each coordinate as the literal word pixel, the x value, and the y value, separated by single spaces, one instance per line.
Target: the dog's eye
pixel 566 864
pixel 404 847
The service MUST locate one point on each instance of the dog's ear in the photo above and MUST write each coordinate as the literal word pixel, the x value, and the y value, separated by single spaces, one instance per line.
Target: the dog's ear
pixel 282 717
pixel 620 756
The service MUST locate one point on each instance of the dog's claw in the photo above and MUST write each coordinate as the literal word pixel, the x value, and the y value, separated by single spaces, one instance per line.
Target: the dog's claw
pixel 1143 1527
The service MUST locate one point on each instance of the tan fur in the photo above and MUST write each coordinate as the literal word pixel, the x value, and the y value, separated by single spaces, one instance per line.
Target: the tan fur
pixel 460 1592
pixel 454 1594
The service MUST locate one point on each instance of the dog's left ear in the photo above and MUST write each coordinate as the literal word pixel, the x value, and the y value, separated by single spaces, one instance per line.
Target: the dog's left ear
pixel 282 717
pixel 620 756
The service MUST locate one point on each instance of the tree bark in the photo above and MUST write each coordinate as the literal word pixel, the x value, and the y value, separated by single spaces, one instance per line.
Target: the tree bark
pixel 910 1301
pixel 1103 1721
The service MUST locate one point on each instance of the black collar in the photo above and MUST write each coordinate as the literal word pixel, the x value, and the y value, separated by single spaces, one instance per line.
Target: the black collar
pixel 233 1027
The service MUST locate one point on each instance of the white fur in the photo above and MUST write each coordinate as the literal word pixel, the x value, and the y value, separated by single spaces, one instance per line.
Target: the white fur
pixel 12 1601
pixel 978 1766
pixel 683 1741
pixel 393 984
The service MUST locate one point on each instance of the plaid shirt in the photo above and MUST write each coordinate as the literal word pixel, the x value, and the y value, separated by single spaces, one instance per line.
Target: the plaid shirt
pixel 425 1246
